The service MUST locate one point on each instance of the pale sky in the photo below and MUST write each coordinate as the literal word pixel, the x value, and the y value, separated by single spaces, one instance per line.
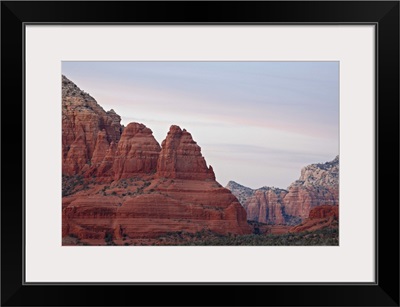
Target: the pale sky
pixel 257 123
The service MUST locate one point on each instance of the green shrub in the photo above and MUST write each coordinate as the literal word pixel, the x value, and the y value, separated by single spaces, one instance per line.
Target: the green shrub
pixel 108 237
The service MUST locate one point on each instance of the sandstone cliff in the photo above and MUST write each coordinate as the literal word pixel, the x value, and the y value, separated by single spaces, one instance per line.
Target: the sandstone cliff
pixel 120 184
pixel 85 126
pixel 320 217
pixel 147 206
pixel 318 185
pixel 266 206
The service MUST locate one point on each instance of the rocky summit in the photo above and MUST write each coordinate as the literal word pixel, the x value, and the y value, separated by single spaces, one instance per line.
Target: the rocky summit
pixel 137 152
pixel 181 157
pixel 85 125
pixel 241 192
pixel 121 186
pixel 318 185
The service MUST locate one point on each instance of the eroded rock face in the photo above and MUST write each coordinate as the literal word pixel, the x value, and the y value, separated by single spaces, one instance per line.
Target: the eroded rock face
pixel 130 186
pixel 266 206
pixel 300 200
pixel 153 207
pixel 323 212
pixel 84 123
pixel 319 217
pixel 105 168
pixel 100 148
pixel 182 205
pixel 137 152
pixel 89 217
pixel 181 158
pixel 318 185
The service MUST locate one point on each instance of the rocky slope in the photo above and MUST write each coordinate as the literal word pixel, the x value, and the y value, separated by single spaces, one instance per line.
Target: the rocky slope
pixel 320 217
pixel 318 185
pixel 240 191
pixel 122 185
pixel 85 124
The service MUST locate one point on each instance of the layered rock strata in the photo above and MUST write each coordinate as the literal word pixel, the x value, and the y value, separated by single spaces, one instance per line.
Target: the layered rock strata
pixel 131 186
pixel 85 126
pixel 137 152
pixel 161 208
pixel 266 206
pixel 319 217
pixel 181 157
pixel 318 185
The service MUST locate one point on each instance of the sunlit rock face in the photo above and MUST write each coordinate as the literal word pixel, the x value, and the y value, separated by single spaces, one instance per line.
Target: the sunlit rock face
pixel 119 183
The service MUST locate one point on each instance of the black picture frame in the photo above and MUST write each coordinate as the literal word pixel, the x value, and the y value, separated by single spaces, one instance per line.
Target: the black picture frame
pixel 383 14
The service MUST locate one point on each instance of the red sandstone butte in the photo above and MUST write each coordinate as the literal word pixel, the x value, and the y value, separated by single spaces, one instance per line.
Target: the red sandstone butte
pixel 142 189
pixel 181 157
pixel 137 152
pixel 158 206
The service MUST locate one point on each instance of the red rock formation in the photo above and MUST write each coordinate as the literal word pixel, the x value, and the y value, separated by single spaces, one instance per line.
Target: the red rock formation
pixel 319 217
pixel 318 185
pixel 141 190
pixel 76 156
pixel 100 148
pixel 265 206
pixel 105 169
pixel 137 152
pixel 156 208
pixel 89 217
pixel 82 121
pixel 300 200
pixel 168 190
pixel 323 212
pixel 180 157
pixel 181 205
